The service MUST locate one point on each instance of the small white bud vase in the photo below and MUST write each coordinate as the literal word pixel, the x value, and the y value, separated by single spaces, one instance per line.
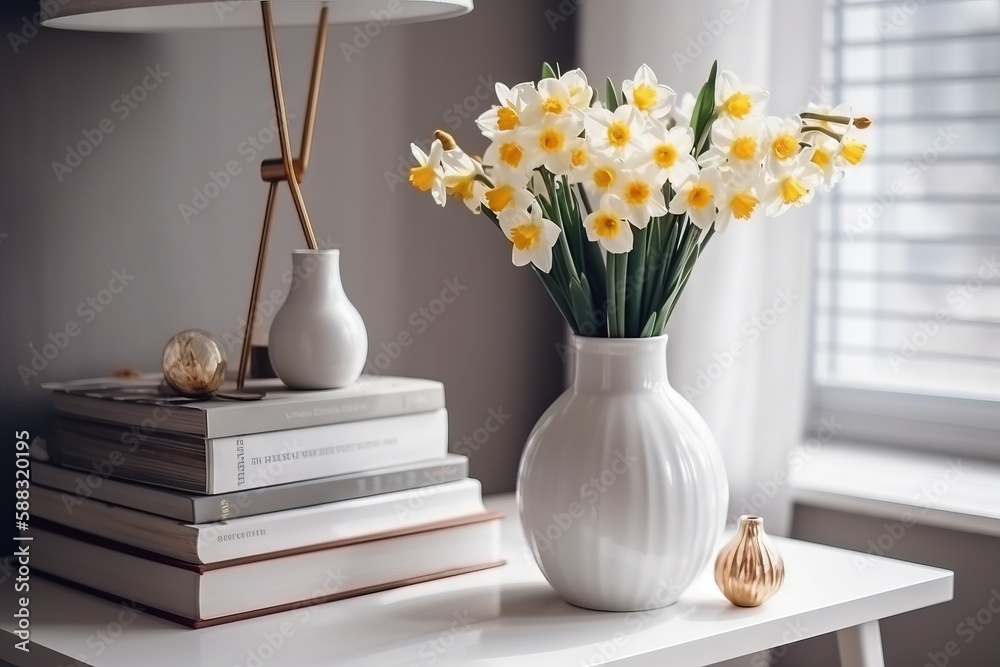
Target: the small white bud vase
pixel 318 339
pixel 622 492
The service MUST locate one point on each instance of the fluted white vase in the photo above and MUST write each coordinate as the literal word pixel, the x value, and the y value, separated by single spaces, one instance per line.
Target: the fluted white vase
pixel 318 339
pixel 622 491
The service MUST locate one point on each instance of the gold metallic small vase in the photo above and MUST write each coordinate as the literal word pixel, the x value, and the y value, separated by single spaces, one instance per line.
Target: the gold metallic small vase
pixel 749 570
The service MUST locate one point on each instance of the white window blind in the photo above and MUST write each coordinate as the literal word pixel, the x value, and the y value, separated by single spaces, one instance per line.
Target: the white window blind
pixel 907 306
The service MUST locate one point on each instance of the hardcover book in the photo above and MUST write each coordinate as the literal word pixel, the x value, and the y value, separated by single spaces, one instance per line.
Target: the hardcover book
pixel 77 485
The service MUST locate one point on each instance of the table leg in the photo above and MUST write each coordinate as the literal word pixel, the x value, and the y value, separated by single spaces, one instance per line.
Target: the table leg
pixel 861 646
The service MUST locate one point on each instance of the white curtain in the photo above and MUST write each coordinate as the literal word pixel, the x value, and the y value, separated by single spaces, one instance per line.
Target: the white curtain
pixel 739 336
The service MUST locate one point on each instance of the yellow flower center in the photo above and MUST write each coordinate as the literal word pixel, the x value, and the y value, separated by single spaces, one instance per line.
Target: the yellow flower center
pixel 743 205
pixel 821 157
pixel 606 225
pixel 423 177
pixel 636 193
pixel 644 97
pixel 511 153
pixel 498 198
pixel 784 146
pixel 792 190
pixel 665 156
pixel 551 140
pixel 618 134
pixel 578 157
pixel 604 178
pixel 525 236
pixel 699 196
pixel 461 188
pixel 507 119
pixel 553 105
pixel 853 151
pixel 744 148
pixel 738 104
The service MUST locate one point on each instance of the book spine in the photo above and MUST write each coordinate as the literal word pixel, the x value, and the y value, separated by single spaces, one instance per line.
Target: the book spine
pixel 265 417
pixel 265 459
pixel 351 519
pixel 206 509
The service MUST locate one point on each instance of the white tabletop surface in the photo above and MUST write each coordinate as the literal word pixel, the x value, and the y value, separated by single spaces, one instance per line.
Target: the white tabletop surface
pixel 506 616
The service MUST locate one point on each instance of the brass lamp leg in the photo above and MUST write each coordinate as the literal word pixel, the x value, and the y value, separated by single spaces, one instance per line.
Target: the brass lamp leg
pixel 286 168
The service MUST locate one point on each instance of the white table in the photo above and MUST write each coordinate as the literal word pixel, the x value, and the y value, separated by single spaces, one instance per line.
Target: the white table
pixel 506 616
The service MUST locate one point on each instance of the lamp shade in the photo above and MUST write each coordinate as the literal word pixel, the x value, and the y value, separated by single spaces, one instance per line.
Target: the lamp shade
pixel 164 15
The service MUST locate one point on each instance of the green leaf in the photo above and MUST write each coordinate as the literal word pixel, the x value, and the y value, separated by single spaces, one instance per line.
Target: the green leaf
pixel 621 271
pixel 634 281
pixel 612 274
pixel 582 306
pixel 647 331
pixel 548 72
pixel 610 96
pixel 704 107
pixel 552 287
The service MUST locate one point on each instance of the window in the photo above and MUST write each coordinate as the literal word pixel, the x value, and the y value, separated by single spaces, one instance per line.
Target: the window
pixel 906 333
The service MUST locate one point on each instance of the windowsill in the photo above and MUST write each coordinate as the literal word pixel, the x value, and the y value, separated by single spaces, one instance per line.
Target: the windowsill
pixel 929 489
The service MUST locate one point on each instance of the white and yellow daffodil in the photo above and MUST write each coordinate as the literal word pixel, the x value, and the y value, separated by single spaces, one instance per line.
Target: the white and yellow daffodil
pixel 782 136
pixel 532 236
pixel 736 99
pixel 609 226
pixel 669 150
pixel 681 113
pixel 619 132
pixel 825 154
pixel 697 197
pixel 550 141
pixel 852 150
pixel 428 175
pixel 463 179
pixel 647 95
pixel 573 162
pixel 506 116
pixel 791 184
pixel 508 191
pixel 513 151
pixel 738 144
pixel 602 175
pixel 580 92
pixel 641 191
pixel 739 199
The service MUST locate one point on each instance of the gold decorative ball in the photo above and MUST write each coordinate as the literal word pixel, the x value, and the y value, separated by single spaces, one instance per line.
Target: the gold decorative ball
pixel 194 363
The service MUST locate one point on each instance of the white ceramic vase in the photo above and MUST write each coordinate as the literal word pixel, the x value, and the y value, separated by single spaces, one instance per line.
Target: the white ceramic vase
pixel 622 492
pixel 318 339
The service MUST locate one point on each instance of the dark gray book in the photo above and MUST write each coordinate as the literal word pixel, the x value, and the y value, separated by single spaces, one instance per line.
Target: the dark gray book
pixel 196 508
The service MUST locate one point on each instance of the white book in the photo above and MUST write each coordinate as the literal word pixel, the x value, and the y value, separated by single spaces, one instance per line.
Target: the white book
pixel 201 595
pixel 239 463
pixel 265 533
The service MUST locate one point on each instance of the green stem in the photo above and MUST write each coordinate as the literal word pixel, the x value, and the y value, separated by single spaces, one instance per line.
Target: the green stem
pixel 817 128
pixel 620 278
pixel 612 311
pixel 635 282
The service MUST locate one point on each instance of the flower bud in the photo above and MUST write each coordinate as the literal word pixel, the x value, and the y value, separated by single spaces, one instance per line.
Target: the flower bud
pixel 447 141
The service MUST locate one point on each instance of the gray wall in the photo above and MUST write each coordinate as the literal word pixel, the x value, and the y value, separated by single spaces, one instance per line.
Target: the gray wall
pixel 64 235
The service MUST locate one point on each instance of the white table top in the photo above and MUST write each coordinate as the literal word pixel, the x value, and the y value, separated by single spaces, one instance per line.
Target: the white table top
pixel 505 616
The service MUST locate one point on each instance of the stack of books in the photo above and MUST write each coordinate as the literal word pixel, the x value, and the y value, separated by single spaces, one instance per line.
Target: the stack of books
pixel 212 511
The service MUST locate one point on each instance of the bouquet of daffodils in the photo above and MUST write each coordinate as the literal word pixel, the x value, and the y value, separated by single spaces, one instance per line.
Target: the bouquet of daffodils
pixel 612 203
